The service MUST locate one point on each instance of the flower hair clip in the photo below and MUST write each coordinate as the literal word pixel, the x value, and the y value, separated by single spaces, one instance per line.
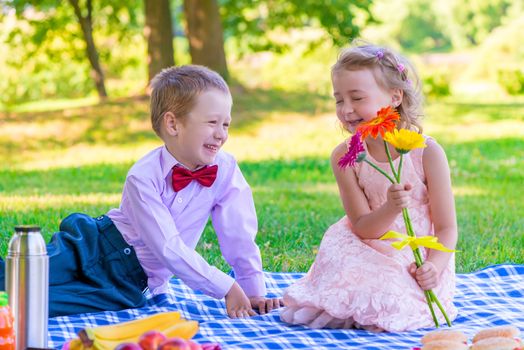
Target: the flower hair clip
pixel 402 70
pixel 379 54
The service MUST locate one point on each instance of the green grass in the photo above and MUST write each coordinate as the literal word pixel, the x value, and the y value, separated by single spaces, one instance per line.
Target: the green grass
pixel 75 159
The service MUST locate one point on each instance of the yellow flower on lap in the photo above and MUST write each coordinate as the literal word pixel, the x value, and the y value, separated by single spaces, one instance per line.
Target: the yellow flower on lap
pixel 404 140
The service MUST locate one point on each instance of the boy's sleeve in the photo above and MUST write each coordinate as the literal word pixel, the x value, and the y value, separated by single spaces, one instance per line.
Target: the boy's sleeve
pixel 235 222
pixel 154 223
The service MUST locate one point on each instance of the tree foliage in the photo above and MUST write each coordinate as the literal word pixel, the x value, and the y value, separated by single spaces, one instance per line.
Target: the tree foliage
pixel 425 25
pixel 479 17
pixel 45 55
pixel 84 17
pixel 251 21
pixel 420 30
pixel 47 45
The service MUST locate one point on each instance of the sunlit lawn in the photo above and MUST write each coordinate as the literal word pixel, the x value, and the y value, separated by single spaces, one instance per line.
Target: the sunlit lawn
pixel 75 159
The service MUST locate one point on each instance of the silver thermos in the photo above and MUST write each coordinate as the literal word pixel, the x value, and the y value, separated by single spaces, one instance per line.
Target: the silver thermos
pixel 27 284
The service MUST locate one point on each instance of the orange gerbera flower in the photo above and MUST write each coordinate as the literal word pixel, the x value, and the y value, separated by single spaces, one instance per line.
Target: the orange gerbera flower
pixel 385 121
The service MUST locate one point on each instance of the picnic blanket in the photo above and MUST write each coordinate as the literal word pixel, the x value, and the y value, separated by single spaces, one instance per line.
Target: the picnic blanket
pixel 489 297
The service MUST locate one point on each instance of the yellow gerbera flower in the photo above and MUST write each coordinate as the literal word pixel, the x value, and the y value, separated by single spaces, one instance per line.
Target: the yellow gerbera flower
pixel 404 140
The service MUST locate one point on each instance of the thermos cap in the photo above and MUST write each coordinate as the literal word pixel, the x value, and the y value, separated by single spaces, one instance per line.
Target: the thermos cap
pixel 26 241
pixel 27 228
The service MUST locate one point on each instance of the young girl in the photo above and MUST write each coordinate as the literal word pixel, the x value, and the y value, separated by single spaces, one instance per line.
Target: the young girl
pixel 358 280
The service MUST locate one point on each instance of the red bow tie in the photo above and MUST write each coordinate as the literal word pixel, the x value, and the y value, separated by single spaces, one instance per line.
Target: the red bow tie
pixel 182 177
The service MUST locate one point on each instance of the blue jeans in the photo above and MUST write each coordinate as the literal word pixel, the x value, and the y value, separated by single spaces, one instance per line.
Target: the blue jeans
pixel 91 268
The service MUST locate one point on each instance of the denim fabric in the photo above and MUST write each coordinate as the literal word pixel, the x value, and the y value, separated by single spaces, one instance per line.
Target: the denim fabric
pixel 91 268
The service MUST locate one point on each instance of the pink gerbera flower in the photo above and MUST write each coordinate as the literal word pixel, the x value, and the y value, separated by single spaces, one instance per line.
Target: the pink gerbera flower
pixel 355 152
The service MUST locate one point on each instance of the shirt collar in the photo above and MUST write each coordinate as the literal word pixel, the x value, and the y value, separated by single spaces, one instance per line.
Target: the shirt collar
pixel 167 161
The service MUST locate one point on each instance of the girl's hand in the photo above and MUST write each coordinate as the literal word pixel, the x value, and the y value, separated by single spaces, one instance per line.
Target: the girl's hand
pixel 398 196
pixel 265 305
pixel 237 303
pixel 427 276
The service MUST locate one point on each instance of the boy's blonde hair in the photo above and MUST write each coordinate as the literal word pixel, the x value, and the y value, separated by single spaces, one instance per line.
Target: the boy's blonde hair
pixel 391 71
pixel 175 90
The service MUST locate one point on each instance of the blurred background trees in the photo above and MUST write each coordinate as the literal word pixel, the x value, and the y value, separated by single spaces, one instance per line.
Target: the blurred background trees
pixel 80 48
pixel 158 31
pixel 65 147
pixel 205 35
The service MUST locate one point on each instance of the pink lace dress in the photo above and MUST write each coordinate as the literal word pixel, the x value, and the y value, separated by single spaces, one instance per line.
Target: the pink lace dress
pixel 365 283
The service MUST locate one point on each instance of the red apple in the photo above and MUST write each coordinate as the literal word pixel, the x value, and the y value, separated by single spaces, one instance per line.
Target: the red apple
pixel 174 344
pixel 128 346
pixel 193 345
pixel 151 339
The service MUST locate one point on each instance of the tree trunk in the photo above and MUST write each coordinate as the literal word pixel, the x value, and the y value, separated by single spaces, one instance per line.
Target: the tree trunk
pixel 86 24
pixel 159 34
pixel 205 35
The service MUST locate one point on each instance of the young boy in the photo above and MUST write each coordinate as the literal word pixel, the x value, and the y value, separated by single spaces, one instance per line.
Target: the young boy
pixel 106 263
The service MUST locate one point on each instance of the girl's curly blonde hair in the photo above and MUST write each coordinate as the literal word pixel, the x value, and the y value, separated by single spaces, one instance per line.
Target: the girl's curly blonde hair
pixel 391 71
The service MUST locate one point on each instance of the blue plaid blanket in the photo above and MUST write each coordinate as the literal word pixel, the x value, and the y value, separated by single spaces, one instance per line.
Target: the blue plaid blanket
pixel 489 297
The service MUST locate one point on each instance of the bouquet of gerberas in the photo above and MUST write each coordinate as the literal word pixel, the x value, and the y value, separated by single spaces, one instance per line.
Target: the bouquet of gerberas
pixel 403 141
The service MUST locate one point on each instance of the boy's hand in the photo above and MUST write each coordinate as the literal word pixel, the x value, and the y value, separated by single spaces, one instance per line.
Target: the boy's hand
pixel 398 196
pixel 237 303
pixel 427 276
pixel 265 305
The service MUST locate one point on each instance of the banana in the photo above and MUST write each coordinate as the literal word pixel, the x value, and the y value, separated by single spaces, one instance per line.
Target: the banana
pixel 76 344
pixel 107 344
pixel 108 337
pixel 185 330
pixel 133 329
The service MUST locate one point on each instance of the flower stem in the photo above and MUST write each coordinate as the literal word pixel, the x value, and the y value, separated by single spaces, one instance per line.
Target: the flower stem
pixel 429 294
pixel 429 300
pixel 400 166
pixel 435 299
pixel 407 222
pixel 397 175
pixel 380 170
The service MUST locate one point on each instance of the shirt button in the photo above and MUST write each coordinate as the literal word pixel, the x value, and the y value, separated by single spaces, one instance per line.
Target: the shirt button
pixel 127 251
pixel 179 200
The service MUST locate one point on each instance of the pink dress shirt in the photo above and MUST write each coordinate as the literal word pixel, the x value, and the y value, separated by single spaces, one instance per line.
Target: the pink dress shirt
pixel 165 226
